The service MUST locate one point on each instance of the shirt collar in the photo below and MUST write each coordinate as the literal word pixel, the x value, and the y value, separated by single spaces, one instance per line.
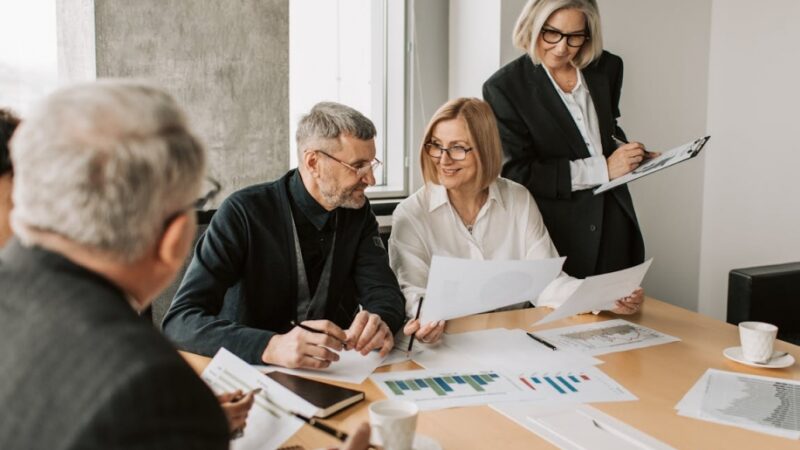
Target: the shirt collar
pixel 313 211
pixel 578 86
pixel 438 196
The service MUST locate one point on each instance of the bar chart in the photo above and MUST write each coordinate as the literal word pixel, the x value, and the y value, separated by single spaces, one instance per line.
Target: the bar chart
pixel 586 385
pixel 432 389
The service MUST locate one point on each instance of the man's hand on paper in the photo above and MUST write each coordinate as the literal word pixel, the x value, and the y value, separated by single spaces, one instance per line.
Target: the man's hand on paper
pixel 429 334
pixel 236 405
pixel 302 349
pixel 369 332
pixel 630 304
pixel 358 440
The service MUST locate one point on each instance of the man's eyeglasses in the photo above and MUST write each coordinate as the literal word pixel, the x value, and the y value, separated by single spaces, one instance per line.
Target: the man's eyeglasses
pixel 456 152
pixel 214 189
pixel 574 40
pixel 361 170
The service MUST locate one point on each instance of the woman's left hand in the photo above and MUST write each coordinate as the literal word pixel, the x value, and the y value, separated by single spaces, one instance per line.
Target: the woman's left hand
pixel 236 406
pixel 630 304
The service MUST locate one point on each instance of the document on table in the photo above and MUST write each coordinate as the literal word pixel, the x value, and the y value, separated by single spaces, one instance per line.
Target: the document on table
pixel 461 287
pixel 600 292
pixel 267 427
pixel 764 404
pixel 352 367
pixel 599 338
pixel 666 159
pixel 499 349
pixel 578 427
pixel 437 389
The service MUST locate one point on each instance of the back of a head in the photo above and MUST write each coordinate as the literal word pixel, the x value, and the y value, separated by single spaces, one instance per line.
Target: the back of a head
pixel 8 123
pixel 103 165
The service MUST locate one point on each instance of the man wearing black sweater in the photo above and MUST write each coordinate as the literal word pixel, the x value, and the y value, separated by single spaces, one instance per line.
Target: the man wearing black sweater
pixel 304 249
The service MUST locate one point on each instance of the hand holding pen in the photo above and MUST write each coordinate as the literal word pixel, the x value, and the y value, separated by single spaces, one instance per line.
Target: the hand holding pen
pixel 430 333
pixel 236 406
pixel 312 344
pixel 626 157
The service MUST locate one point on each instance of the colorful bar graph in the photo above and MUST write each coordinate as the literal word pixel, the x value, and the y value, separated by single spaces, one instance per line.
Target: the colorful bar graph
pixel 442 386
pixel 566 383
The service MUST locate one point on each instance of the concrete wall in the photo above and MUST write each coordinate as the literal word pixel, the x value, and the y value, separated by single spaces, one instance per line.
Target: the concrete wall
pixel 664 102
pixel 752 212
pixel 227 63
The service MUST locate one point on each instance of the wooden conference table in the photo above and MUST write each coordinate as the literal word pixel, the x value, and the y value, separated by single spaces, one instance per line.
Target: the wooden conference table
pixel 659 376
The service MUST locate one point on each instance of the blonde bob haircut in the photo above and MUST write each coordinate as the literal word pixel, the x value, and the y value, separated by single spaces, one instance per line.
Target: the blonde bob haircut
pixel 483 134
pixel 535 14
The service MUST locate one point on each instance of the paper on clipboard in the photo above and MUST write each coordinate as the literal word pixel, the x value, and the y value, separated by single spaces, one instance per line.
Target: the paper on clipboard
pixel 666 159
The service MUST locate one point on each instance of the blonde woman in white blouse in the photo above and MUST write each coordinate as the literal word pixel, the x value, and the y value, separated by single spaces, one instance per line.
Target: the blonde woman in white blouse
pixel 466 210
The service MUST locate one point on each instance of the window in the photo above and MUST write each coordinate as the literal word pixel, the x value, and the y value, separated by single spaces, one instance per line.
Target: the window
pixel 28 64
pixel 352 52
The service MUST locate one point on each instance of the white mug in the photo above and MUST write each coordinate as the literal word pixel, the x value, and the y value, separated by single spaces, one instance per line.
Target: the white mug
pixel 758 340
pixel 394 423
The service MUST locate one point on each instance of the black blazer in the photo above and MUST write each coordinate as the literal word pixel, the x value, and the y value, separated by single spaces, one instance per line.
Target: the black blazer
pixel 81 370
pixel 241 286
pixel 540 138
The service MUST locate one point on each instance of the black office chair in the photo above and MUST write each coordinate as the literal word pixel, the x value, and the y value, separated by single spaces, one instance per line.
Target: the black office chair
pixel 767 294
pixel 161 304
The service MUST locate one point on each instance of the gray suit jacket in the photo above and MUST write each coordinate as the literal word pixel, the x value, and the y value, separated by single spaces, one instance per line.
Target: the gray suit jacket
pixel 79 368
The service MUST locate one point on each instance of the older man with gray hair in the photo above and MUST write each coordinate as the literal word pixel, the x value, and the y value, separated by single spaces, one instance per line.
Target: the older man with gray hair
pixel 293 271
pixel 106 176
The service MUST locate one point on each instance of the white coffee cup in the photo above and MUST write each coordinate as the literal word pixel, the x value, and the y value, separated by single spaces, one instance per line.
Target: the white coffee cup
pixel 758 340
pixel 394 423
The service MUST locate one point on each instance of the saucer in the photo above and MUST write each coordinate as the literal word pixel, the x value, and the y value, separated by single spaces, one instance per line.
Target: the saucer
pixel 735 354
pixel 422 442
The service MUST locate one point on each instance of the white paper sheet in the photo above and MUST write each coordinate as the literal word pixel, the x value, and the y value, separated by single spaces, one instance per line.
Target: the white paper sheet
pixel 599 338
pixel 498 349
pixel 267 427
pixel 352 367
pixel 578 427
pixel 600 292
pixel 461 287
pixel 762 404
pixel 437 389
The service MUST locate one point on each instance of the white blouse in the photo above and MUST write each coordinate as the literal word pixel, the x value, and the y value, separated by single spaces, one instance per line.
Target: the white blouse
pixel 509 226
pixel 587 172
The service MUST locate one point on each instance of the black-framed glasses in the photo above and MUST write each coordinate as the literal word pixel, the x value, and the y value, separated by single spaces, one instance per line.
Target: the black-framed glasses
pixel 552 36
pixel 361 170
pixel 456 152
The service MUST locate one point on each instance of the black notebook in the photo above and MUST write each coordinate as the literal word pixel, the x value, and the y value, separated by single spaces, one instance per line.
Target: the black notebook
pixel 327 398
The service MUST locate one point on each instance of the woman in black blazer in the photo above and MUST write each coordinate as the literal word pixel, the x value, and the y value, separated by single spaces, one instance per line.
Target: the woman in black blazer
pixel 556 108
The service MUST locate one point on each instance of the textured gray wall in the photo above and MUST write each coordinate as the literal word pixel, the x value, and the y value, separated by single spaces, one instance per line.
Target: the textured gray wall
pixel 227 63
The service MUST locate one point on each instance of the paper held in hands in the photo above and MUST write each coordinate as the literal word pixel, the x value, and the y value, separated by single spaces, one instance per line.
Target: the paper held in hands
pixel 600 292
pixel 461 287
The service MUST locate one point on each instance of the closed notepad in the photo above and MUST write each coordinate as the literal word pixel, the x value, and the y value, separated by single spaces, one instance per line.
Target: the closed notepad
pixel 327 398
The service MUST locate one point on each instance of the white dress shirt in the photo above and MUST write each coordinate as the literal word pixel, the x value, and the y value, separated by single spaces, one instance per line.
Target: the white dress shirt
pixel 509 226
pixel 587 172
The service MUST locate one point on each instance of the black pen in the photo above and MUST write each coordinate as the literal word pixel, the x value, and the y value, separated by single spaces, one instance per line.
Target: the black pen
pixel 411 341
pixel 541 341
pixel 314 330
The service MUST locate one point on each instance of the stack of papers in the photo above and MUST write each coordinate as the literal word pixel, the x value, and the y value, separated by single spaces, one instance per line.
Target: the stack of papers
pixel 763 404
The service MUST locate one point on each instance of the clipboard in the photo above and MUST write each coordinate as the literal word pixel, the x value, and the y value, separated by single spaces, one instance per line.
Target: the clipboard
pixel 667 159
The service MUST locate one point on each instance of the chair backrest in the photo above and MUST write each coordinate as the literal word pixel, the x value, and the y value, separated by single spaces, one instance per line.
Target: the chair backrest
pixel 767 294
pixel 161 304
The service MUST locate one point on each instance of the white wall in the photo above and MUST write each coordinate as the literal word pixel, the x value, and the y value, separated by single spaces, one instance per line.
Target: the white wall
pixel 664 46
pixel 752 199
pixel 475 35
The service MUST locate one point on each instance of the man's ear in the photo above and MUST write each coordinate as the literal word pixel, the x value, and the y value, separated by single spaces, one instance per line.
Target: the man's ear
pixel 176 241
pixel 311 161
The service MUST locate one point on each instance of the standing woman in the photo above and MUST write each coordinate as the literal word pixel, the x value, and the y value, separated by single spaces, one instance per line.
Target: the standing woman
pixel 557 109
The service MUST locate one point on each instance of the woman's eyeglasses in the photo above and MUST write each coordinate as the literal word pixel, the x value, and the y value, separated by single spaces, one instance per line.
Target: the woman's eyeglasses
pixel 456 152
pixel 574 40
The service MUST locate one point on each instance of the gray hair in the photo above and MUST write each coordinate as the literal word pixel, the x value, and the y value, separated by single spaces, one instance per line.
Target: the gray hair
pixel 535 14
pixel 327 121
pixel 104 165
